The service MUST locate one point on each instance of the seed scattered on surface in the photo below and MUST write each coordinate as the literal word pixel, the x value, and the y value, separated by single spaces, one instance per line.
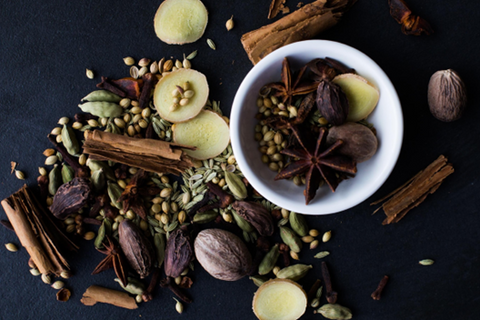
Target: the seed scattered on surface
pixel 65 274
pixel 321 254
pixel 42 171
pixel 46 278
pixel 34 272
pixel 56 131
pixel 90 74
pixel 211 44
pixel 178 306
pixel 326 236
pixel 187 64
pixel 426 262
pixel 58 285
pixel 154 67
pixel 139 298
pixel 77 125
pixel 89 235
pixel 125 102
pixel 294 255
pixel 314 244
pixel 129 61
pixel 276 269
pixel 192 55
pixel 11 247
pixel 307 239
pixel 63 120
pixel 229 24
pixel 313 232
pixel 134 72
pixel 144 62
pixel 20 175
pixel 51 160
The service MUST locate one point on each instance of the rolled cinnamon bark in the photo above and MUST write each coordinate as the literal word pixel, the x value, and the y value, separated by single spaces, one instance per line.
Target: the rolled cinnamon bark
pixel 96 294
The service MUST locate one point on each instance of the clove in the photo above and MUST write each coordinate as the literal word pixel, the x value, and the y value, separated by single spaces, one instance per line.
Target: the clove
pixel 377 293
pixel 169 283
pixel 147 294
pixel 330 294
pixel 149 81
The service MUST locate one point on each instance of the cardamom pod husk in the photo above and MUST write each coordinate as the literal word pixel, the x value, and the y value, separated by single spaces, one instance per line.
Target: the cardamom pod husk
pixel 205 217
pixel 105 229
pixel 298 224
pixel 134 286
pixel 236 185
pixel 257 215
pixel 242 223
pixel 159 243
pixel 295 272
pixel 335 312
pixel 136 247
pixel 54 179
pixel 114 192
pixel 67 173
pixel 178 253
pixel 69 140
pixel 258 280
pixel 291 239
pixel 102 109
pixel 98 181
pixel 268 262
pixel 70 197
pixel 95 165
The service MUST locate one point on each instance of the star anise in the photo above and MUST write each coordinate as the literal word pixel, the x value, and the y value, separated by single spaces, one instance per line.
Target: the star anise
pixel 114 259
pixel 288 88
pixel 317 162
pixel 136 189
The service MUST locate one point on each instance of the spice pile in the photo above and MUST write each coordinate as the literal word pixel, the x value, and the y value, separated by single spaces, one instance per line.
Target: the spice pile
pixel 287 121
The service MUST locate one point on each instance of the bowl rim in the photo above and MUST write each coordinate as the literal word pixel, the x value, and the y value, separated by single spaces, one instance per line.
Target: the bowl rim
pixel 235 127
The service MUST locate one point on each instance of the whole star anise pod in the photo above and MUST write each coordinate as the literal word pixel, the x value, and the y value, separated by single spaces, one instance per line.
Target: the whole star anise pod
pixel 317 161
pixel 288 88
pixel 134 191
pixel 114 259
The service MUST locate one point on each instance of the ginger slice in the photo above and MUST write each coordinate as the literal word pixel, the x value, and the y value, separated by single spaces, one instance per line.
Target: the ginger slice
pixel 362 96
pixel 208 132
pixel 279 299
pixel 180 21
pixel 163 98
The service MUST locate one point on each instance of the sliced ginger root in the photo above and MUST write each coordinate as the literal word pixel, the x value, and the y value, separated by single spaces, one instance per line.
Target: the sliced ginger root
pixel 208 132
pixel 279 299
pixel 188 79
pixel 362 96
pixel 180 21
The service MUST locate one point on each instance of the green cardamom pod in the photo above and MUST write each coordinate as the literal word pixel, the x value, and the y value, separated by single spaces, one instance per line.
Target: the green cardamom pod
pixel 205 217
pixel 69 140
pixel 67 173
pixel 133 286
pixel 291 239
pixel 236 185
pixel 102 109
pixel 242 223
pixel 54 180
pixel 159 243
pixel 295 272
pixel 268 262
pixel 97 165
pixel 102 95
pixel 100 236
pixel 335 312
pixel 114 192
pixel 258 280
pixel 98 181
pixel 298 224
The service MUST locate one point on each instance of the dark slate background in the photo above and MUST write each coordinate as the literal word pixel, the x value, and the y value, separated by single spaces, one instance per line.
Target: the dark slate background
pixel 45 47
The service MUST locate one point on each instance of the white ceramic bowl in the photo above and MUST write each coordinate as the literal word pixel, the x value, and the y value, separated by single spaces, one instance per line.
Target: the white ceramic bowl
pixel 387 119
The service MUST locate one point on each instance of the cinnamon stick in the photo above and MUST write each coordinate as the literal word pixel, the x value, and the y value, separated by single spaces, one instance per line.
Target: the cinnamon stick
pixel 96 294
pixel 415 191
pixel 37 232
pixel 304 23
pixel 148 154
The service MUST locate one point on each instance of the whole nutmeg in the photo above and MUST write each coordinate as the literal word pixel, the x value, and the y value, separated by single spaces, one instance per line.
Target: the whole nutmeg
pixel 447 95
pixel 222 254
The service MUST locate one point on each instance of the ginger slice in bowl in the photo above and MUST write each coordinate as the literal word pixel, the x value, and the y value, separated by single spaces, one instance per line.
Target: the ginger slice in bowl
pixel 279 299
pixel 362 96
pixel 180 21
pixel 188 80
pixel 208 132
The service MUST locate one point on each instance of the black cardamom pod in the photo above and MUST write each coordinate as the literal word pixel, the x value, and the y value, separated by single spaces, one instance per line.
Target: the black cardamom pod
pixel 70 197
pixel 178 253
pixel 332 103
pixel 257 215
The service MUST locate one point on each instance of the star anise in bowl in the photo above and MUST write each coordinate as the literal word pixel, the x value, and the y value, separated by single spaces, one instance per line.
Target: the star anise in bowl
pixel 317 161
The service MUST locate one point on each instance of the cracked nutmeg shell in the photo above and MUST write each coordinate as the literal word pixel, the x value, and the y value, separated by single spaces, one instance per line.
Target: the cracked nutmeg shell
pixel 137 248
pixel 70 197
pixel 222 254
pixel 447 95
pixel 178 253
pixel 332 103
pixel 257 215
